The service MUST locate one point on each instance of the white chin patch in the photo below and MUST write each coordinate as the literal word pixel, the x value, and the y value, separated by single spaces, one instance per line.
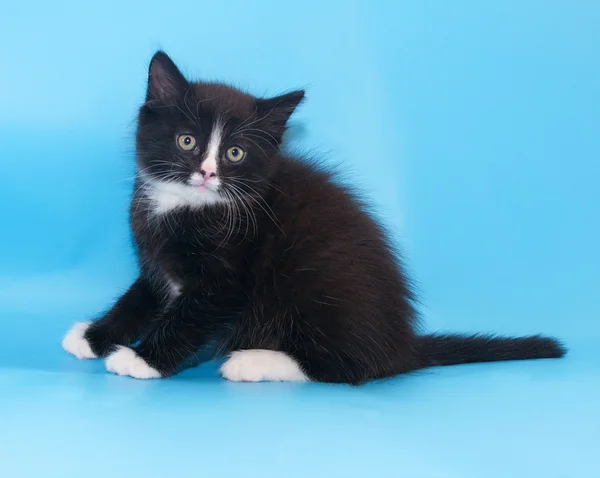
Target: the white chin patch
pixel 125 361
pixel 168 195
pixel 262 366
pixel 76 344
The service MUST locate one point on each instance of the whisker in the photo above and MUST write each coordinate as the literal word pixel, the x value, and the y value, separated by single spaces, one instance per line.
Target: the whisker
pixel 256 120
pixel 244 122
pixel 257 145
pixel 246 130
pixel 260 202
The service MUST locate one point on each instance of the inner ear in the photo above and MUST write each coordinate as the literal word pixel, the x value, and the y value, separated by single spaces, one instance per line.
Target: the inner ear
pixel 165 81
pixel 275 112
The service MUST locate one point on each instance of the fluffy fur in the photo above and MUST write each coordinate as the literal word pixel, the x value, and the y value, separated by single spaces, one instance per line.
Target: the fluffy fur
pixel 262 366
pixel 268 255
pixel 75 343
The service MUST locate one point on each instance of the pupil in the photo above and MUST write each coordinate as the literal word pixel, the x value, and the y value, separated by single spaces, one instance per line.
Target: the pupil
pixel 187 140
pixel 234 152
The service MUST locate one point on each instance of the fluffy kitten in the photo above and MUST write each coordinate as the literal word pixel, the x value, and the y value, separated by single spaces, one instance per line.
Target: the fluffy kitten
pixel 260 254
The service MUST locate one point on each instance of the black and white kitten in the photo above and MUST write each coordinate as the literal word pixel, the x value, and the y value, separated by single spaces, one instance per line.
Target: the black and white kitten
pixel 262 255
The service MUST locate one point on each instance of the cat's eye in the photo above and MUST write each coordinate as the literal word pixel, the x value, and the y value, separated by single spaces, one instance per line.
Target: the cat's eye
pixel 186 142
pixel 235 154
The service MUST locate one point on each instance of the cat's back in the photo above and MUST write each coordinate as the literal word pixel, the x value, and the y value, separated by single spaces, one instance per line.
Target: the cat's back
pixel 311 197
pixel 325 222
pixel 331 259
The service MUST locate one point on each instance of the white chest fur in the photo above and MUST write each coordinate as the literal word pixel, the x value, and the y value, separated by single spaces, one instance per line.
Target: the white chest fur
pixel 173 287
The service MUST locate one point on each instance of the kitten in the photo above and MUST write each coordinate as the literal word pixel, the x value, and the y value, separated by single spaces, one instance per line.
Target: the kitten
pixel 260 254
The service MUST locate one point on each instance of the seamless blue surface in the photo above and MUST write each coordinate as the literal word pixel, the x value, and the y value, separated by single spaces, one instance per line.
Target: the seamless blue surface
pixel 472 125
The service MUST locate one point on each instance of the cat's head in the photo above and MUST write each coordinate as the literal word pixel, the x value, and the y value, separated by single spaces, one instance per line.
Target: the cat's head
pixel 207 142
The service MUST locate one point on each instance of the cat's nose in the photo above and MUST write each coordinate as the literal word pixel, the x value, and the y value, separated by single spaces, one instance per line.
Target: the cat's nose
pixel 207 174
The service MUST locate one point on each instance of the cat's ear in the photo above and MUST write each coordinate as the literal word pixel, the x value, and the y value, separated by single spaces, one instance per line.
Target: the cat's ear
pixel 165 81
pixel 275 112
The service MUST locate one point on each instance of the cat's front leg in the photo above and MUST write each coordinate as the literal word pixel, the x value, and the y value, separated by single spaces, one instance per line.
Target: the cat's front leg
pixel 189 322
pixel 121 325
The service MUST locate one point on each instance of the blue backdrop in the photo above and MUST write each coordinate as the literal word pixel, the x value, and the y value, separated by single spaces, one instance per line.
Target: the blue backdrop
pixel 473 126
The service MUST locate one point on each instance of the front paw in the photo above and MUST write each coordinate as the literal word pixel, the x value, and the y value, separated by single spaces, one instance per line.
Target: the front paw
pixel 124 361
pixel 75 342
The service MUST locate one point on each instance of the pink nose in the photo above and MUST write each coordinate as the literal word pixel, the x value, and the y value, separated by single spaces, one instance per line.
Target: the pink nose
pixel 207 174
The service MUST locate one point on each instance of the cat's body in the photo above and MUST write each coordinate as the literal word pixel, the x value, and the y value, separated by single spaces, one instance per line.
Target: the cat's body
pixel 260 254
pixel 290 278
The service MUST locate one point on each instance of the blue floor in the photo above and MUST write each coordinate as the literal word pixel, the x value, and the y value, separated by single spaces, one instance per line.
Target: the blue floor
pixel 61 417
pixel 472 125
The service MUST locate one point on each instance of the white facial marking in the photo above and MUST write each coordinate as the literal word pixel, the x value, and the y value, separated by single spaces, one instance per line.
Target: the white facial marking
pixel 201 190
pixel 125 361
pixel 75 343
pixel 262 366
pixel 211 158
pixel 168 195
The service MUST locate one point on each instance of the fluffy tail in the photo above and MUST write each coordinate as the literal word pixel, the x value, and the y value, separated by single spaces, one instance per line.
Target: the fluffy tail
pixel 457 349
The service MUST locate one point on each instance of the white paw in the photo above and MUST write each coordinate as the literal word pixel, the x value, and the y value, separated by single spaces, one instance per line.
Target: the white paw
pixel 75 343
pixel 125 361
pixel 262 366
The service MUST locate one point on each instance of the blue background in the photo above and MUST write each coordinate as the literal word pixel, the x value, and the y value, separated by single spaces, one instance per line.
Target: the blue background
pixel 473 126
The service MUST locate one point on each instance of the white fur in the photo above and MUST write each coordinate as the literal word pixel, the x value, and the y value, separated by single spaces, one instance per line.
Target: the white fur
pixel 196 179
pixel 212 184
pixel 75 343
pixel 174 287
pixel 198 192
pixel 125 361
pixel 211 159
pixel 262 366
pixel 169 195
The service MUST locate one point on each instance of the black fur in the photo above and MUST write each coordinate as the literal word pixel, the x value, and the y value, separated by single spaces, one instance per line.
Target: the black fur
pixel 297 265
pixel 456 349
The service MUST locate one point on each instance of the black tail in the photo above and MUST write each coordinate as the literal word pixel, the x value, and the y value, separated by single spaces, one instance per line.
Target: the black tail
pixel 457 349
